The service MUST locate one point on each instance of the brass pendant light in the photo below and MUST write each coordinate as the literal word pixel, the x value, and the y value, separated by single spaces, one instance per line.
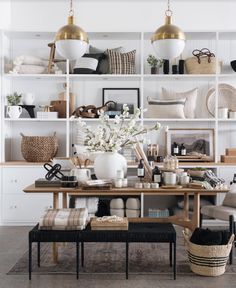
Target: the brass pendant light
pixel 71 40
pixel 168 40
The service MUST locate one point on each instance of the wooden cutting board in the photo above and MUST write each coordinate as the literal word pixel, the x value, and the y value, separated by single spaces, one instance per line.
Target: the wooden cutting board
pixel 106 225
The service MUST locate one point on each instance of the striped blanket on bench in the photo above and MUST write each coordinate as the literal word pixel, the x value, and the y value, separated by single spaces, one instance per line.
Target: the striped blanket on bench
pixel 64 219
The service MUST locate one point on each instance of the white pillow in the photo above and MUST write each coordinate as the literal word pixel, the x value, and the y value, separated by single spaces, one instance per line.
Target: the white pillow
pixel 87 63
pixel 191 99
pixel 166 108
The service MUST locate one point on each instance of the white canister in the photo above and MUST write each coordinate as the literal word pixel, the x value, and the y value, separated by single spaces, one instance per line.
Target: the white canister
pixel 183 180
pixel 223 113
pixel 232 114
pixel 146 185
pixel 154 185
pixel 118 183
pixel 170 178
pixel 138 185
pixel 28 98
pixel 125 182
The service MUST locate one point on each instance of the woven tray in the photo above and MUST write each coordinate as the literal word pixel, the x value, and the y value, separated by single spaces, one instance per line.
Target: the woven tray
pixel 106 225
pixel 226 99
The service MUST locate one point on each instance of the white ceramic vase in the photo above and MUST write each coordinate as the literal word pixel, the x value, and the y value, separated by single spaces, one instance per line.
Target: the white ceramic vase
pixel 14 111
pixel 107 164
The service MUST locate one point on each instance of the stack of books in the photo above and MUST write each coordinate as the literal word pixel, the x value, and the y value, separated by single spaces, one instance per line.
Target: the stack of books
pixel 158 213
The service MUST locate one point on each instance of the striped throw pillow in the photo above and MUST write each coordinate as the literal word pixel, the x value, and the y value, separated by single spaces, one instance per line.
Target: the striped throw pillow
pixel 121 63
pixel 165 108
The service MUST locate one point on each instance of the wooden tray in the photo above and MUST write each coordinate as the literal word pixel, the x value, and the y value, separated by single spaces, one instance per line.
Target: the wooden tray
pixel 106 225
pixel 171 186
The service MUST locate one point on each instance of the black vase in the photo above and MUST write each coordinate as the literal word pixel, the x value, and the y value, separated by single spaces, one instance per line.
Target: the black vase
pixel 166 68
pixel 181 66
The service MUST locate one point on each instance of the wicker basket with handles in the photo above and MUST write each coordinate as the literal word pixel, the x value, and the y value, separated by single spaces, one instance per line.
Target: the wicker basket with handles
pixel 208 260
pixel 39 148
pixel 203 62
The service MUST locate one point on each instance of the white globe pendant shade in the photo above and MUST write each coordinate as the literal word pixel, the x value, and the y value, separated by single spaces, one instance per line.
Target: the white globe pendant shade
pixel 71 41
pixel 168 48
pixel 168 40
pixel 71 49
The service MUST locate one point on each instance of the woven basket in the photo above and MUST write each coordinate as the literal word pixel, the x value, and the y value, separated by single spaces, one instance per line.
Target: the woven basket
pixel 208 260
pixel 193 67
pixel 39 148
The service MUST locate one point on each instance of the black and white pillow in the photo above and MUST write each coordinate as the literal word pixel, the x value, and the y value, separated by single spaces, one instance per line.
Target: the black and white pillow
pixel 88 64
pixel 121 63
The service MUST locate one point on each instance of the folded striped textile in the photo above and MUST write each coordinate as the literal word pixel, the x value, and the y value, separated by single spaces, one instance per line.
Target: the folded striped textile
pixel 64 219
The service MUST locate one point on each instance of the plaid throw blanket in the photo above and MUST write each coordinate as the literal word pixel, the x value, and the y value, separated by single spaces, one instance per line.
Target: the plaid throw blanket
pixel 64 219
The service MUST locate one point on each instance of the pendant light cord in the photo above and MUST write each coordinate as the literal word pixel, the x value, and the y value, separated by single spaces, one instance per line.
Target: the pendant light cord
pixel 168 11
pixel 71 11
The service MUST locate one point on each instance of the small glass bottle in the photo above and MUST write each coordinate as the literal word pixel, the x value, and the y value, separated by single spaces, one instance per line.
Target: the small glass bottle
pixel 182 150
pixel 140 170
pixel 175 149
pixel 156 175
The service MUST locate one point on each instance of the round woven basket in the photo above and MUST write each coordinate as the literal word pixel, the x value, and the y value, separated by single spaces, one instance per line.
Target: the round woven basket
pixel 226 99
pixel 39 148
pixel 208 260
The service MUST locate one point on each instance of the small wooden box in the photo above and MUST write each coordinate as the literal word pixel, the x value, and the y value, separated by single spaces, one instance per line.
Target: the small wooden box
pixel 230 151
pixel 228 159
pixel 60 107
pixel 106 225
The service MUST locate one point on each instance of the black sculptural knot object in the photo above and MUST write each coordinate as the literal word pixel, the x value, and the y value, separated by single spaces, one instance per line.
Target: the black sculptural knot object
pixel 233 65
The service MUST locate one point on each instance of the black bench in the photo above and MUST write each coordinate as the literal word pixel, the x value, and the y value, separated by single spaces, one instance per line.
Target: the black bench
pixel 138 232
pixel 36 235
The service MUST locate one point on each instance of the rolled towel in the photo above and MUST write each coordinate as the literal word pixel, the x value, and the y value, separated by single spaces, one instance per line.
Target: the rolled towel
pixel 92 204
pixel 30 60
pixel 131 213
pixel 133 203
pixel 117 212
pixel 117 203
pixel 80 202
pixel 28 69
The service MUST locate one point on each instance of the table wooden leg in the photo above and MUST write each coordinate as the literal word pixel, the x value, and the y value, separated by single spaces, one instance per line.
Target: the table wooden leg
pixel 196 211
pixel 186 211
pixel 64 200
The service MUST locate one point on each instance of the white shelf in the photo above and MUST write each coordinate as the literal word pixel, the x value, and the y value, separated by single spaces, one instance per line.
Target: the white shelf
pixel 178 120
pixel 35 76
pixel 171 77
pixel 34 120
pixel 102 77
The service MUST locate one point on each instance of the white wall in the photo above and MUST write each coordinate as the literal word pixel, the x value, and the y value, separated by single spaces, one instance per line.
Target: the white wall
pixel 5 14
pixel 130 15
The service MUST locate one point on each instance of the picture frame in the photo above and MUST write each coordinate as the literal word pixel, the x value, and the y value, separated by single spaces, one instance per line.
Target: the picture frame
pixel 199 143
pixel 120 96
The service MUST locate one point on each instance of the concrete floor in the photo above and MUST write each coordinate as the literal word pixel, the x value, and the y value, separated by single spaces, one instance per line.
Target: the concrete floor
pixel 13 243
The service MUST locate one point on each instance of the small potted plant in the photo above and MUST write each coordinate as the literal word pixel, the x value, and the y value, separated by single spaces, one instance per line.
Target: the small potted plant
pixel 13 108
pixel 154 63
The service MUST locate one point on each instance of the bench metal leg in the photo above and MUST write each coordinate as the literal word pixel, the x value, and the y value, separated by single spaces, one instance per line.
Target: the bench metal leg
pixel 127 260
pixel 77 260
pixel 231 230
pixel 174 260
pixel 30 259
pixel 82 254
pixel 170 254
pixel 38 250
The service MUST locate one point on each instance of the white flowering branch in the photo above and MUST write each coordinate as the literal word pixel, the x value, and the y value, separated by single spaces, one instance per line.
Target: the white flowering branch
pixel 111 136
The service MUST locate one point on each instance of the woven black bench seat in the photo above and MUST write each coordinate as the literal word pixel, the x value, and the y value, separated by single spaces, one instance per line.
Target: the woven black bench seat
pixel 137 232
pixel 37 235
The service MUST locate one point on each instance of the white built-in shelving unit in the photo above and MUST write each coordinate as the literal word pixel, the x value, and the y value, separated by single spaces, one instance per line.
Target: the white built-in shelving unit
pixel 88 90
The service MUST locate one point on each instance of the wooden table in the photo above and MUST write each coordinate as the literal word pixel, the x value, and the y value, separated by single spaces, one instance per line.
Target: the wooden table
pixel 182 220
